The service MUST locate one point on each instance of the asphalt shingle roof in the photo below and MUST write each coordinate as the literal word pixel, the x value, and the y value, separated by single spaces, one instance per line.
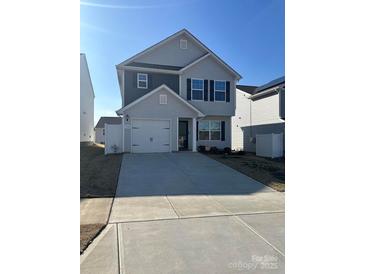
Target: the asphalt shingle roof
pixel 157 66
pixel 108 120
pixel 270 84
pixel 248 89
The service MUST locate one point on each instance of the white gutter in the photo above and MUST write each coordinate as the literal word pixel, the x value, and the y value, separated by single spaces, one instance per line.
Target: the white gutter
pixel 274 89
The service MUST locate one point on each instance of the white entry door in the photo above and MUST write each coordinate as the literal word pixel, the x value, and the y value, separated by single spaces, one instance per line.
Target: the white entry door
pixel 150 136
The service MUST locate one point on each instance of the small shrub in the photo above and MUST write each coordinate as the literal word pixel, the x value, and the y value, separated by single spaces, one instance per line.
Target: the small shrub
pixel 214 150
pixel 201 148
pixel 227 150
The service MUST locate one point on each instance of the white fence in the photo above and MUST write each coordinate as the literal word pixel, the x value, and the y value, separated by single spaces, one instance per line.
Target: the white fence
pixel 113 139
pixel 270 145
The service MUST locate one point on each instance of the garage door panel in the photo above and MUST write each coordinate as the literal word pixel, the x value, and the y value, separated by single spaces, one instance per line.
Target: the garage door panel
pixel 150 135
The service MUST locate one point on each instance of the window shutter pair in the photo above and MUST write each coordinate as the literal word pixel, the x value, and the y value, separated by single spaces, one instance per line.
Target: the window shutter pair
pixel 211 90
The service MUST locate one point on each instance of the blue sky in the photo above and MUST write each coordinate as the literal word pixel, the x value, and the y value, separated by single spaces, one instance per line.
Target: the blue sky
pixel 247 34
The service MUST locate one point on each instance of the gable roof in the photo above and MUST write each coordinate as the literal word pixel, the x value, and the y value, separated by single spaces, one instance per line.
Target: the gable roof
pixel 248 89
pixel 270 84
pixel 186 32
pixel 108 120
pixel 120 111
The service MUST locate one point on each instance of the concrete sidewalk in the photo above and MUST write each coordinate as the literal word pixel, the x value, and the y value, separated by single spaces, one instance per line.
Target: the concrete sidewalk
pixel 186 213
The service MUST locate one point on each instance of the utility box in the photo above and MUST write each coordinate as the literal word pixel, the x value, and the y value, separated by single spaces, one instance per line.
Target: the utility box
pixel 270 145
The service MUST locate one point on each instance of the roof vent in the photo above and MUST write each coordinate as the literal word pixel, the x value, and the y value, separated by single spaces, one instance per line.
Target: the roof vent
pixel 183 44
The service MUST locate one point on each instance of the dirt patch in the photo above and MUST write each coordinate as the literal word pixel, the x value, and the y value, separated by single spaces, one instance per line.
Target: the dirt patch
pixel 88 233
pixel 270 172
pixel 98 172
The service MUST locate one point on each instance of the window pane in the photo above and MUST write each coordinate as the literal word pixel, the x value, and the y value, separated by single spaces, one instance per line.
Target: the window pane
pixel 197 95
pixel 215 135
pixel 142 84
pixel 220 85
pixel 197 84
pixel 203 135
pixel 203 125
pixel 142 77
pixel 215 125
pixel 220 96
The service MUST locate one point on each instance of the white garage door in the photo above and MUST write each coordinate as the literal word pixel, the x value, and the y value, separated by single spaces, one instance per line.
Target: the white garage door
pixel 150 136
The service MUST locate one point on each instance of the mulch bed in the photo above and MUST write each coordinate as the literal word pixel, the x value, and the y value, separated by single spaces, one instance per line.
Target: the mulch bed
pixel 270 172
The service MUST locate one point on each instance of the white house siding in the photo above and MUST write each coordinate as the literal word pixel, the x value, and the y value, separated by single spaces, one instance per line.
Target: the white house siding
pixel 86 103
pixel 217 143
pixel 99 136
pixel 266 110
pixel 210 69
pixel 150 108
pixel 241 119
pixel 265 117
pixel 171 54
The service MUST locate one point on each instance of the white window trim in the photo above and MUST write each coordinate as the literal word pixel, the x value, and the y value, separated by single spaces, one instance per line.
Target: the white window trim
pixel 184 42
pixel 225 92
pixel 191 89
pixel 138 74
pixel 210 139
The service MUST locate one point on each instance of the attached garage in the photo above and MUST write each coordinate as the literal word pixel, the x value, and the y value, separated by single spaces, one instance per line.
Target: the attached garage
pixel 151 123
pixel 150 135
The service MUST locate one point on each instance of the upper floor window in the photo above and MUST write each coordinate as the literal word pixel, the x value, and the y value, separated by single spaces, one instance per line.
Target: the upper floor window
pixel 197 87
pixel 220 90
pixel 183 44
pixel 142 80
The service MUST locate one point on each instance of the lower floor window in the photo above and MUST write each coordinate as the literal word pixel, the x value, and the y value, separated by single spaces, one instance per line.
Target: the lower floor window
pixel 209 130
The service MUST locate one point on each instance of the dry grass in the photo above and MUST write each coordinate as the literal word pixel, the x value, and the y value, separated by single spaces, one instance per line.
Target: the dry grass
pixel 88 233
pixel 98 178
pixel 267 171
pixel 98 172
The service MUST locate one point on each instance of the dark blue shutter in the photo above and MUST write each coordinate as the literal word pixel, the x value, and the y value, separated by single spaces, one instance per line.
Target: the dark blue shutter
pixel 149 81
pixel 228 91
pixel 211 89
pixel 197 130
pixel 188 89
pixel 205 90
pixel 223 130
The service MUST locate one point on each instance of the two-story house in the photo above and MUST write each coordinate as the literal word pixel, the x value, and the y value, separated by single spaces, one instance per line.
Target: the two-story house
pixel 176 95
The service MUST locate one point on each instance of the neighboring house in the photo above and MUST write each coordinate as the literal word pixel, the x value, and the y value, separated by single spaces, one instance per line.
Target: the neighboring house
pixel 259 110
pixel 243 114
pixel 176 95
pixel 100 127
pixel 86 103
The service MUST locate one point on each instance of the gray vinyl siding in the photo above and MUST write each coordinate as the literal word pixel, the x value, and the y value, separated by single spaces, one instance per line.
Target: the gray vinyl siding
pixel 209 69
pixel 171 54
pixel 131 92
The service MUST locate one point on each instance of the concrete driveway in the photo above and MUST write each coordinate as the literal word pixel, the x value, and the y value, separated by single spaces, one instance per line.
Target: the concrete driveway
pixel 186 213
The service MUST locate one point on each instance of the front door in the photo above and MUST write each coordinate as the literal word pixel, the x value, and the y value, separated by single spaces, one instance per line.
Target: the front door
pixel 183 135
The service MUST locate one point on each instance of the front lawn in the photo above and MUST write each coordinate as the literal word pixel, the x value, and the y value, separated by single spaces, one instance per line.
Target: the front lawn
pixel 270 172
pixel 98 178
pixel 98 172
